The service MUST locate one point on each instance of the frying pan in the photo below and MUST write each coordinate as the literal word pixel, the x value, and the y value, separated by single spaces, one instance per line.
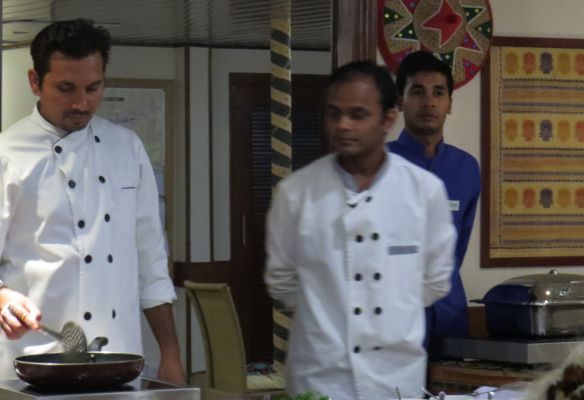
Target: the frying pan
pixel 91 370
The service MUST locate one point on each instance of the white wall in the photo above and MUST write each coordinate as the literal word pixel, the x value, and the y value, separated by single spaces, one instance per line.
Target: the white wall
pixel 200 158
pixel 528 18
pixel 17 98
pixel 125 62
pixel 538 18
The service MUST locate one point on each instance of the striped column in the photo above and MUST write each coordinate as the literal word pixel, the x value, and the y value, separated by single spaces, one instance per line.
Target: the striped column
pixel 281 92
pixel 281 114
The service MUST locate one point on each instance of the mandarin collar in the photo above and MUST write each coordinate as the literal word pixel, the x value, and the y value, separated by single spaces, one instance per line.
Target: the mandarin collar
pixel 349 181
pixel 416 147
pixel 61 133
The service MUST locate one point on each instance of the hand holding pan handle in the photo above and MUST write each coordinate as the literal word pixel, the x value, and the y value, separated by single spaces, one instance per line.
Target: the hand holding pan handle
pixel 12 326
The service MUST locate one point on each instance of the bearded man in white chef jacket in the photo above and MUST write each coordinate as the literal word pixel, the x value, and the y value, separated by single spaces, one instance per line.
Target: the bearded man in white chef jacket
pixel 358 243
pixel 80 233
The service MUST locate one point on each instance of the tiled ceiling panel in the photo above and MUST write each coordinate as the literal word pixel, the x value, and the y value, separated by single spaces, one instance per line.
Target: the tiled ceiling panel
pixel 216 23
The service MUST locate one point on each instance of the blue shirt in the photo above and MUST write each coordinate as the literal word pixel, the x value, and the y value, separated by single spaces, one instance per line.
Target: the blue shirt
pixel 461 175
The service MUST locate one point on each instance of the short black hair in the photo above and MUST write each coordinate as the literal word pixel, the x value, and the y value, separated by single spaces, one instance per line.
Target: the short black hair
pixel 421 61
pixel 76 39
pixel 380 75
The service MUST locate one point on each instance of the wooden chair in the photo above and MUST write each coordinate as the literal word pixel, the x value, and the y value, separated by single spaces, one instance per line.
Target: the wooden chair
pixel 224 350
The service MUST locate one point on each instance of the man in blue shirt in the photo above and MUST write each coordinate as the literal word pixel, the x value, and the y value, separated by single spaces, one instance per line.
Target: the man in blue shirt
pixel 424 85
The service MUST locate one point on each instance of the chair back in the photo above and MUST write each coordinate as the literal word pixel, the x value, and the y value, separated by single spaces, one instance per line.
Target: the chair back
pixel 221 333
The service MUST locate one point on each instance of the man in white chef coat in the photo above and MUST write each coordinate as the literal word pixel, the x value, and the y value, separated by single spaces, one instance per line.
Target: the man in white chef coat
pixel 358 243
pixel 80 233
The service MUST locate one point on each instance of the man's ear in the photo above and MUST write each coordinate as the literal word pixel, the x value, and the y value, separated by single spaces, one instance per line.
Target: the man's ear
pixel 34 81
pixel 398 104
pixel 389 119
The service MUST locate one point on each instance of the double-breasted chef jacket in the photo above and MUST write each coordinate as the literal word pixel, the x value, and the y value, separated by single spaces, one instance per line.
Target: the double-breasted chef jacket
pixel 358 268
pixel 80 232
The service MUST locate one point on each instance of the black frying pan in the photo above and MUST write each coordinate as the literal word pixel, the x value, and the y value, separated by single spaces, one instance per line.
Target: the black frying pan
pixel 79 370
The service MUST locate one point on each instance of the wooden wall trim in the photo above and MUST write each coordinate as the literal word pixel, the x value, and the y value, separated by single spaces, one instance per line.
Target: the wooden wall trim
pixel 187 149
pixel 354 31
pixel 214 271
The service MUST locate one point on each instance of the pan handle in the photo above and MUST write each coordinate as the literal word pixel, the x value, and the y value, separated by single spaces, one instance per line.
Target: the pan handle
pixel 97 343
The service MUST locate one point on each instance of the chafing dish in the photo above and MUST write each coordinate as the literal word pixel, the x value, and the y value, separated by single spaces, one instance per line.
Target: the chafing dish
pixel 540 305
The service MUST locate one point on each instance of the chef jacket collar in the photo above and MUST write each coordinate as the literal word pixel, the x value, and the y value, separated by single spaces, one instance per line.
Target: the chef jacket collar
pixel 349 181
pixel 47 125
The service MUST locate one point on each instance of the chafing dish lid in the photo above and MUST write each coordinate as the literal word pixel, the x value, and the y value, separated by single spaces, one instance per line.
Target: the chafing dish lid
pixel 553 288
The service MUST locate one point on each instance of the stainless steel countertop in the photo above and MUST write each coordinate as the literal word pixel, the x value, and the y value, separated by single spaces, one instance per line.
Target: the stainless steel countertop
pixel 521 351
pixel 141 388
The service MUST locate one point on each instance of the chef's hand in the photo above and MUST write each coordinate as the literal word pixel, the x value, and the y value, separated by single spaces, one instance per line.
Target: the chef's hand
pixel 170 370
pixel 12 304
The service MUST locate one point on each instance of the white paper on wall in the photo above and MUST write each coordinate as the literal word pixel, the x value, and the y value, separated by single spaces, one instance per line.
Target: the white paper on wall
pixel 141 110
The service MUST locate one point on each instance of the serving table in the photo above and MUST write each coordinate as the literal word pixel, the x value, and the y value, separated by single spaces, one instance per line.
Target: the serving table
pixel 459 365
pixel 494 361
pixel 465 376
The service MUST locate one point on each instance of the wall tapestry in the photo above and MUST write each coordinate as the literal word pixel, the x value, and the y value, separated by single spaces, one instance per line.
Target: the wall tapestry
pixel 533 153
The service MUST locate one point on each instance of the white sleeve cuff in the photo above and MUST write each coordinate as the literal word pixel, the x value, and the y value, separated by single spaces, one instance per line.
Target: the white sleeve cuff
pixel 145 305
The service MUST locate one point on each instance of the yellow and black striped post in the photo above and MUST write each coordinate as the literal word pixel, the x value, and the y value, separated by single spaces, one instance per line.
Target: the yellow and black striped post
pixel 281 121
pixel 281 92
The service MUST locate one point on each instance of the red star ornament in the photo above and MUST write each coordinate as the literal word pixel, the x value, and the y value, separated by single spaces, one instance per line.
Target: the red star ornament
pixel 446 21
pixel 461 38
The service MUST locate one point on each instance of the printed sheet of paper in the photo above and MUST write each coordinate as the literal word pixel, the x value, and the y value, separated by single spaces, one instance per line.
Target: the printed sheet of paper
pixel 141 110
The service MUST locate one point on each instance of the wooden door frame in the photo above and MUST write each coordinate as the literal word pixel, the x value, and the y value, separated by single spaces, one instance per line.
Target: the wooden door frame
pixel 247 91
pixel 354 31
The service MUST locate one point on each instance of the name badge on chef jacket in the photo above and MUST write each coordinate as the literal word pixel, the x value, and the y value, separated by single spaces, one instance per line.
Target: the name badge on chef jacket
pixel 401 250
pixel 454 205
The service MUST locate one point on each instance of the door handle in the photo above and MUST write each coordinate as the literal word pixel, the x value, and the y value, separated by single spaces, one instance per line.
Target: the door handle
pixel 243 231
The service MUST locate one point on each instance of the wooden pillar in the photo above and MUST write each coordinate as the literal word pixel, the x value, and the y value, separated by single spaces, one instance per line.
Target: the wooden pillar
pixel 354 31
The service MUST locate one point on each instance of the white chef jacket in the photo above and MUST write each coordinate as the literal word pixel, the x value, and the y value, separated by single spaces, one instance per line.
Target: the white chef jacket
pixel 80 233
pixel 358 268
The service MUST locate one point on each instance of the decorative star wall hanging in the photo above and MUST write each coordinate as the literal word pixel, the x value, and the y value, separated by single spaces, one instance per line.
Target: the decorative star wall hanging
pixel 458 32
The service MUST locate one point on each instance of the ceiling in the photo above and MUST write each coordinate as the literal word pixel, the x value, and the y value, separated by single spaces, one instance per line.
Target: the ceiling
pixel 209 23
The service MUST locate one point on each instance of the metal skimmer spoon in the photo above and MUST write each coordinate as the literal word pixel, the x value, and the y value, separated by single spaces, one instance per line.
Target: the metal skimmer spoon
pixel 71 336
pixel 440 396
